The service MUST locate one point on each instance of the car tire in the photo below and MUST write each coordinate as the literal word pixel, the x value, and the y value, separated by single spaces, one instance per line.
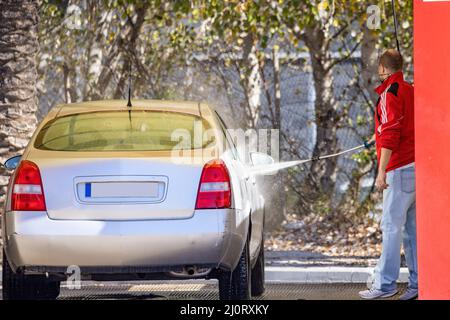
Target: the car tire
pixel 258 272
pixel 236 285
pixel 22 287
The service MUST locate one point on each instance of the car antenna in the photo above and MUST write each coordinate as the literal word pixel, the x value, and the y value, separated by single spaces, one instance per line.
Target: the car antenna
pixel 129 105
pixel 129 89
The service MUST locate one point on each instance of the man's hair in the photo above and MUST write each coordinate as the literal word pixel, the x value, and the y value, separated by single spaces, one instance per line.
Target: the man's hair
pixel 392 59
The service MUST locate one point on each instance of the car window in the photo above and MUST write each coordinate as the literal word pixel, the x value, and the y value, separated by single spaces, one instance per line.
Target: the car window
pixel 139 130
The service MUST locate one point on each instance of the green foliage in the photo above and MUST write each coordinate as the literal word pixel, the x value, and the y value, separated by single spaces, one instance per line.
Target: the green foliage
pixel 364 157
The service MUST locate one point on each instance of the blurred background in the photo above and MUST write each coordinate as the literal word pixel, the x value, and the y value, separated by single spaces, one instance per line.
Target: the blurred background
pixel 305 67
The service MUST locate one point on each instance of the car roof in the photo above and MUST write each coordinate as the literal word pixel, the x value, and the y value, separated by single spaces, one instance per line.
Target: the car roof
pixel 190 107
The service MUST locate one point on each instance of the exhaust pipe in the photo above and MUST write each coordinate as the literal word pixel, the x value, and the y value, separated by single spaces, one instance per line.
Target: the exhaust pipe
pixel 190 272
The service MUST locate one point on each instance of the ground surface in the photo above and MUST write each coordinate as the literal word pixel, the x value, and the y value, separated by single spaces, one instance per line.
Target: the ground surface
pixel 207 290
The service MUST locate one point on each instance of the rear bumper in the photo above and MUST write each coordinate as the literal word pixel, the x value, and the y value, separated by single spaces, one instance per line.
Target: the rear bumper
pixel 210 237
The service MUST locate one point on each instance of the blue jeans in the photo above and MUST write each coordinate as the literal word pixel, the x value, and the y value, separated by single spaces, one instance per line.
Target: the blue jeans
pixel 398 222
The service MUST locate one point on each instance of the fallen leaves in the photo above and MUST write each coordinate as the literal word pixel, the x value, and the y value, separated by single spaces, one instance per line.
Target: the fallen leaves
pixel 326 235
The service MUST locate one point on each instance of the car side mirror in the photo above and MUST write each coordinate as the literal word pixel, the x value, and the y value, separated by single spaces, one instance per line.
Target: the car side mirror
pixel 260 159
pixel 12 163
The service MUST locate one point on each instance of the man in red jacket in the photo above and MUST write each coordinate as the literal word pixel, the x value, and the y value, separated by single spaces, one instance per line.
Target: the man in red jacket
pixel 394 137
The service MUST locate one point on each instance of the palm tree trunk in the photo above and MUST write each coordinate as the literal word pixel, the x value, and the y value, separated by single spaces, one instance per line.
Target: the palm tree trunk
pixel 18 76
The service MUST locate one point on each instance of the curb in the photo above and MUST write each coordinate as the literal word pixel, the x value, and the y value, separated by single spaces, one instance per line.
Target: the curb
pixel 320 274
pixel 325 274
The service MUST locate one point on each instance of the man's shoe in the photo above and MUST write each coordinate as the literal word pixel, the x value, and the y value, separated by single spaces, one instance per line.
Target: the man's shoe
pixel 375 293
pixel 409 294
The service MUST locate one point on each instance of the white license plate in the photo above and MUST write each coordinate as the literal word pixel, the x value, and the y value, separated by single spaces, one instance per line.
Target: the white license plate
pixel 122 189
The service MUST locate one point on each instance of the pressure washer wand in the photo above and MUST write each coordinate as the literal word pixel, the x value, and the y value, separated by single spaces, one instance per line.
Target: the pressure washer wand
pixel 364 145
pixel 273 168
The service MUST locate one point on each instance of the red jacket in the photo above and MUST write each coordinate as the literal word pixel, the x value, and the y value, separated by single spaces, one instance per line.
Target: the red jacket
pixel 394 120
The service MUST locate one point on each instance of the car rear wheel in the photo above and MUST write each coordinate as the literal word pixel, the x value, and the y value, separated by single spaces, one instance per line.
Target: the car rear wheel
pixel 258 273
pixel 25 287
pixel 236 285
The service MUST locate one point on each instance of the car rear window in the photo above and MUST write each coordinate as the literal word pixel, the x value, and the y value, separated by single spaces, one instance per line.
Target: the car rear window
pixel 138 130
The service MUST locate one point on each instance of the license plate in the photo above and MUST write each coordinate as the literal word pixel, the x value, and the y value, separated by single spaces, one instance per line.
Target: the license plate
pixel 121 190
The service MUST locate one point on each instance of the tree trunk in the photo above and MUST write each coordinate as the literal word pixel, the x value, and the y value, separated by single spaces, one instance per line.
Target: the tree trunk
pixel 322 173
pixel 18 76
pixel 121 50
pixel 252 81
pixel 274 186
pixel 369 60
pixel 277 87
pixel 70 90
pixel 129 46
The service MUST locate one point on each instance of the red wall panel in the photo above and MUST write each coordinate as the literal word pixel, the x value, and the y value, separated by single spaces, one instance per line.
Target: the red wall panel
pixel 432 125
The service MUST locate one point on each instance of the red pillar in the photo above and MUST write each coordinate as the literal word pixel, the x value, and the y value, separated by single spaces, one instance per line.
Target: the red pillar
pixel 432 125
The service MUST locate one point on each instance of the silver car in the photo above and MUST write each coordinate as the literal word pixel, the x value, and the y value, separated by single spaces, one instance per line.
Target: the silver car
pixel 109 192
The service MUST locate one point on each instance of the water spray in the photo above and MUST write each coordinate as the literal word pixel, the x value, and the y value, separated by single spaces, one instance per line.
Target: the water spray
pixel 274 167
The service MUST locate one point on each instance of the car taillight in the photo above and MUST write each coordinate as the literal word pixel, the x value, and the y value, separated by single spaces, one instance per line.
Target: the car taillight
pixel 27 193
pixel 214 191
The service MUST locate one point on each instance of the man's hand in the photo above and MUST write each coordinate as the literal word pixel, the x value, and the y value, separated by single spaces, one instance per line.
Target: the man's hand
pixel 369 143
pixel 380 182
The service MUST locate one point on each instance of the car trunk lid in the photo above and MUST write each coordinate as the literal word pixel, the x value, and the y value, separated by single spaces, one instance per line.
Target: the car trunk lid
pixel 118 188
